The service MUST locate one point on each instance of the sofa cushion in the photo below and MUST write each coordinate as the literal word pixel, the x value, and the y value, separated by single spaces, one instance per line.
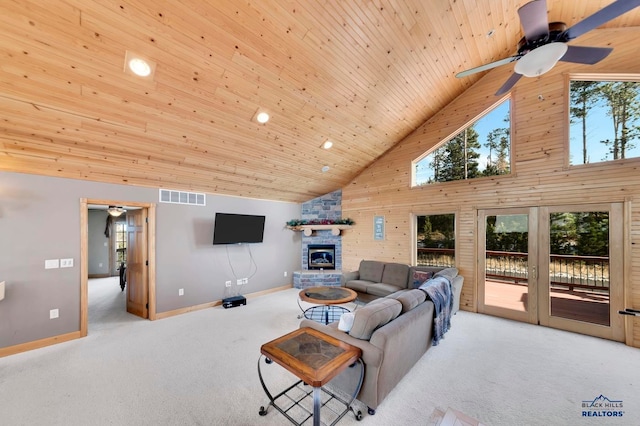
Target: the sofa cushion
pixel 358 285
pixel 373 315
pixel 370 270
pixel 382 289
pixel 409 299
pixel 395 274
pixel 419 277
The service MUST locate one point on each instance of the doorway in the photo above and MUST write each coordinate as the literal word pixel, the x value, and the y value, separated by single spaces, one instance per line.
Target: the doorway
pixel 560 266
pixel 140 288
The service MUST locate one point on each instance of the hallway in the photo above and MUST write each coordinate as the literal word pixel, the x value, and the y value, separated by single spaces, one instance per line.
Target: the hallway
pixel 107 304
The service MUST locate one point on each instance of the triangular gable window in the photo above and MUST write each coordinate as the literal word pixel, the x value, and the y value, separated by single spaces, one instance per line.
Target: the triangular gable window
pixel 480 149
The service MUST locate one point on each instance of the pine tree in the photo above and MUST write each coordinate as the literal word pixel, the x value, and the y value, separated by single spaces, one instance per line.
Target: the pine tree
pixel 592 233
pixel 498 142
pixel 583 99
pixel 460 157
pixel 624 108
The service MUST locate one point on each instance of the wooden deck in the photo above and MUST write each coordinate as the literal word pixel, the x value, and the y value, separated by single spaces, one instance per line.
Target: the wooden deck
pixel 575 305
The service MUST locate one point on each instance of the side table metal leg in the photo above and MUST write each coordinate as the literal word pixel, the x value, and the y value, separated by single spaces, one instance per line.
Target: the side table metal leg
pixel 300 306
pixel 317 403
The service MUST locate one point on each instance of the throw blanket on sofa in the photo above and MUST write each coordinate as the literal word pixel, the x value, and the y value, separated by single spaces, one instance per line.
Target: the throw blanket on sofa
pixel 439 291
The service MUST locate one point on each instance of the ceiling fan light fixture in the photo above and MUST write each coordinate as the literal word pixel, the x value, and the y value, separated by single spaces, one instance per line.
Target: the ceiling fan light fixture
pixel 541 60
pixel 115 211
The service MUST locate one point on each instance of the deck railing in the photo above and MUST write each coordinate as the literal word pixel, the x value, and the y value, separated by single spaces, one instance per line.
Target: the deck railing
pixel 436 257
pixel 566 272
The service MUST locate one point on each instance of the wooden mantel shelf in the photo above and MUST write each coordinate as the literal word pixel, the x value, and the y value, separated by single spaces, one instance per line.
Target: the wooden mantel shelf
pixel 308 229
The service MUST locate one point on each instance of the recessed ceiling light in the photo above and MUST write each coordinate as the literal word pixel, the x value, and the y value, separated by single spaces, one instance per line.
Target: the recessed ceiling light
pixel 262 117
pixel 325 169
pixel 327 144
pixel 139 67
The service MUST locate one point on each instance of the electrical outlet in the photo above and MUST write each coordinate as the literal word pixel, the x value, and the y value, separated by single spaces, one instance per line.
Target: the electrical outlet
pixel 285 273
pixel 227 284
pixel 66 263
pixel 239 282
pixel 181 292
pixel 54 313
pixel 245 281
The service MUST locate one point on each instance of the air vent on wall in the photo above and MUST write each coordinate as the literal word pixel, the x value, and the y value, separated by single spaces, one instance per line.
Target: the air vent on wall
pixel 182 197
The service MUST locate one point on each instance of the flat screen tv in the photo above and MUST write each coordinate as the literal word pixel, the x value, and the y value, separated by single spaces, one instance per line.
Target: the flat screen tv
pixel 230 228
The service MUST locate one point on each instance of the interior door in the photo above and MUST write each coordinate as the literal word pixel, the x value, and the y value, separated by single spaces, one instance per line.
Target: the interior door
pixel 137 275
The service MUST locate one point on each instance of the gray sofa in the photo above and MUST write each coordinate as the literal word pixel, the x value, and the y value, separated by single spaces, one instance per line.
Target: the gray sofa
pixel 393 333
pixel 375 279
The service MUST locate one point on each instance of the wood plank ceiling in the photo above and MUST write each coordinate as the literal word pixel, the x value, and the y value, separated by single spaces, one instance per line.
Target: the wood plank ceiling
pixel 362 74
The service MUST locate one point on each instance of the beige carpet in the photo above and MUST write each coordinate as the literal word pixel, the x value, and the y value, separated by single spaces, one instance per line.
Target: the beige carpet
pixel 200 368
pixel 451 417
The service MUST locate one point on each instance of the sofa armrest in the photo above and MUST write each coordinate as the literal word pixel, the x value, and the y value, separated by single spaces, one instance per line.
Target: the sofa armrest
pixel 349 276
pixel 371 355
pixel 457 283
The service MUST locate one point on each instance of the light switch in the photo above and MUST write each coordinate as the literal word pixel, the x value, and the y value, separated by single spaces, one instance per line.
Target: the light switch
pixel 51 263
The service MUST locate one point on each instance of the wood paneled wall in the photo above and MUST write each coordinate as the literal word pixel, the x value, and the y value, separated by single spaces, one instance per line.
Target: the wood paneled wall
pixel 541 175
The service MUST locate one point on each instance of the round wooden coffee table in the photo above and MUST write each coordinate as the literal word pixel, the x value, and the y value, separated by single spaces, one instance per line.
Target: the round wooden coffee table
pixel 326 297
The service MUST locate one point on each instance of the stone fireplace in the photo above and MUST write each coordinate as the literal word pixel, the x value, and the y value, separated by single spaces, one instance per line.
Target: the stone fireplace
pixel 321 259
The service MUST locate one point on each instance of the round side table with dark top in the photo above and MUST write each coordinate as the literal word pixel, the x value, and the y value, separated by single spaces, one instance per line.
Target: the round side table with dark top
pixel 326 298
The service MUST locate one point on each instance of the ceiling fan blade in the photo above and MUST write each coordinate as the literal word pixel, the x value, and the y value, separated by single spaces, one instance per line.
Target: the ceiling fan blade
pixel 602 16
pixel 509 84
pixel 534 21
pixel 488 66
pixel 586 55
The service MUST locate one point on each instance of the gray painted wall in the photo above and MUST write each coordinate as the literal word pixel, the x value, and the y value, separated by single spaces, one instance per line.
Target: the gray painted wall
pixel 40 219
pixel 98 250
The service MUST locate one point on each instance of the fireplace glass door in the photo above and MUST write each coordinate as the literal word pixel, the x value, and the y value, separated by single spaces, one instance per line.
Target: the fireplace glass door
pixel 322 256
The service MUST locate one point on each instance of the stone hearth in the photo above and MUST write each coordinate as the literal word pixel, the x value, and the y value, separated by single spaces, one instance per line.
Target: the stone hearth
pixel 311 278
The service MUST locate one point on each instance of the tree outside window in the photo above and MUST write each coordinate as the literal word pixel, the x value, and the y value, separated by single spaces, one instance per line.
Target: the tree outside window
pixel 605 121
pixel 121 243
pixel 436 240
pixel 481 149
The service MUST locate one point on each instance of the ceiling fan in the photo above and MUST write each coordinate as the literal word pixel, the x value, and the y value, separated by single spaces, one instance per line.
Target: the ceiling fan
pixel 544 43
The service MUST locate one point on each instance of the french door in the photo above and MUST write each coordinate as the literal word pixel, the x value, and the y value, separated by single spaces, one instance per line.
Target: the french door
pixel 555 266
